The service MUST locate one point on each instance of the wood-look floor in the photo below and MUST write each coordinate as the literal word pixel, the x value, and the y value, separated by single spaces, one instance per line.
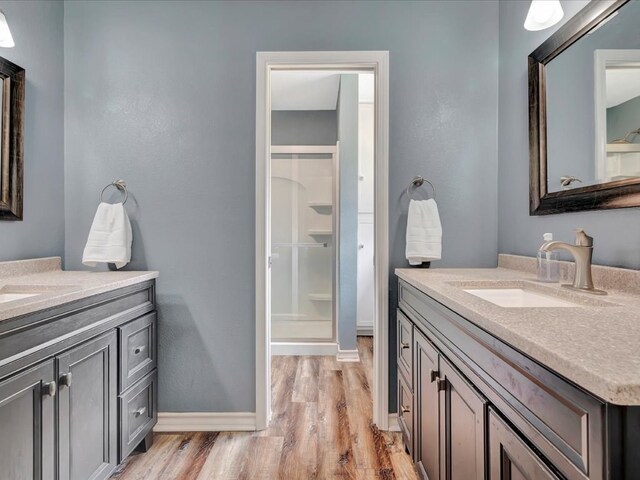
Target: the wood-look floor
pixel 321 429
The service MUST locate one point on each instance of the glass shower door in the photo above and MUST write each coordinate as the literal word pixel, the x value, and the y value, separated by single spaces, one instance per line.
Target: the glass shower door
pixel 302 243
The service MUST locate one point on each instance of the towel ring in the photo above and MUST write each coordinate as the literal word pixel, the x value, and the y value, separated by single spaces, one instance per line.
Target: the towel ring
pixel 120 185
pixel 418 181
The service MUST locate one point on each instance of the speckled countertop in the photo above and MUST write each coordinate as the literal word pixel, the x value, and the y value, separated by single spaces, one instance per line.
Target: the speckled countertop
pixel 54 286
pixel 596 344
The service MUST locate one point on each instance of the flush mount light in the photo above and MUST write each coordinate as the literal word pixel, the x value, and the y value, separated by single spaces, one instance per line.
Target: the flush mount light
pixel 6 40
pixel 543 14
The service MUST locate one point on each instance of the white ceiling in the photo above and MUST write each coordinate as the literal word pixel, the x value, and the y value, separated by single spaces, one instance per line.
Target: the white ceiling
pixel 622 84
pixel 313 89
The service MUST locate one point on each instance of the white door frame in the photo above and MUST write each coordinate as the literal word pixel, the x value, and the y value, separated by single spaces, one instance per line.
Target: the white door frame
pixel 378 62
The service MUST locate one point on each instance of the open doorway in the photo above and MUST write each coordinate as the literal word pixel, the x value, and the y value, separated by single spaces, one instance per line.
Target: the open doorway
pixel 321 229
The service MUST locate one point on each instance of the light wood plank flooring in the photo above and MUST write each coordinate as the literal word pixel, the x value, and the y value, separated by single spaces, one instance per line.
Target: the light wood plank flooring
pixel 321 429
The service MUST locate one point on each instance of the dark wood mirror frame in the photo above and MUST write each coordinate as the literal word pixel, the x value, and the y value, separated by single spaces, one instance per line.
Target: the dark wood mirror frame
pixel 616 194
pixel 11 152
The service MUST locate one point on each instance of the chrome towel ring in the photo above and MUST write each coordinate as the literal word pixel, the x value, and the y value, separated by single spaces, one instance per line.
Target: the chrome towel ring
pixel 120 185
pixel 418 181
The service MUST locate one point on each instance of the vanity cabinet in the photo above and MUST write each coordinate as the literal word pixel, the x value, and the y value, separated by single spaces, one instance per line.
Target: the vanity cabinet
pixel 510 458
pixel 78 386
pixel 27 409
pixel 473 407
pixel 450 418
pixel 87 415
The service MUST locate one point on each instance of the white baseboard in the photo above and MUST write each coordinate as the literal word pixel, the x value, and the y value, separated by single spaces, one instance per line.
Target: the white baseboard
pixel 394 426
pixel 206 422
pixel 348 356
pixel 365 331
pixel 291 348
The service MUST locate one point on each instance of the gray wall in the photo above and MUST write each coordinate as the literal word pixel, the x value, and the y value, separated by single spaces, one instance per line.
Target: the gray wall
pixel 162 94
pixel 304 127
pixel 622 119
pixel 348 181
pixel 616 232
pixel 37 29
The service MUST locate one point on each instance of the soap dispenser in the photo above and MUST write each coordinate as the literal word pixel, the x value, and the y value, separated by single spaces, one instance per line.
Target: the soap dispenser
pixel 548 266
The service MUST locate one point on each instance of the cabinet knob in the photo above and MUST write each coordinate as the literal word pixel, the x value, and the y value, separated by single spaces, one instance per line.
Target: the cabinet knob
pixel 441 384
pixel 49 389
pixel 404 345
pixel 405 409
pixel 433 375
pixel 139 411
pixel 66 379
pixel 138 350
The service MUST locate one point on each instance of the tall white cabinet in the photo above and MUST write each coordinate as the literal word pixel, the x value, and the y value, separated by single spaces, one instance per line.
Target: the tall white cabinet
pixel 366 302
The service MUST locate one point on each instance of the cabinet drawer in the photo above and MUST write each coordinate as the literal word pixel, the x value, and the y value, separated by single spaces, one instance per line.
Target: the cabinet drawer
pixel 138 414
pixel 137 350
pixel 405 348
pixel 405 413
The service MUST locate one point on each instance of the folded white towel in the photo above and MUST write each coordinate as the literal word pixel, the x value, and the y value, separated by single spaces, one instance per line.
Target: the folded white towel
pixel 110 237
pixel 424 232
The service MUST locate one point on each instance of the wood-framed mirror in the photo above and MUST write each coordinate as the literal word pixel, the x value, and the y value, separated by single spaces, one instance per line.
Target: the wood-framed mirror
pixel 12 85
pixel 584 112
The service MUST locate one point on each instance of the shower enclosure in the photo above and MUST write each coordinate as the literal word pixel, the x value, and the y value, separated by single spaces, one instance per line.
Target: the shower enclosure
pixel 303 253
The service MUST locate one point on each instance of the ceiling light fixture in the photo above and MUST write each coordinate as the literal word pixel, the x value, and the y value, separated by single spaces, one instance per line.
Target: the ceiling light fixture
pixel 6 40
pixel 543 14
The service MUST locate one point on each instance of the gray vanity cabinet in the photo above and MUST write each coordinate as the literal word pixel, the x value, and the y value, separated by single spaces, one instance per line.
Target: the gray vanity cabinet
pixel 87 415
pixel 462 431
pixel 510 458
pixel 78 386
pixel 27 403
pixel 450 418
pixel 427 407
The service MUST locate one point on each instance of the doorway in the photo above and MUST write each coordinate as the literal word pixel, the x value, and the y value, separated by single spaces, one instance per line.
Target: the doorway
pixel 292 242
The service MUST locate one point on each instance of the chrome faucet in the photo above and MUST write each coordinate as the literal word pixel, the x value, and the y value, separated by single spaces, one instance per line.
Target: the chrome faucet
pixel 582 253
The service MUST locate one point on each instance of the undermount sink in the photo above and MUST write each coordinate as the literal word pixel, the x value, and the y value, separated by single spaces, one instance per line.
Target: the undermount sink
pixel 10 297
pixel 11 293
pixel 519 298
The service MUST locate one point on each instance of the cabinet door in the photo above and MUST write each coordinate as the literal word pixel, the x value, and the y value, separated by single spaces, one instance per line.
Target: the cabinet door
pixel 27 424
pixel 87 410
pixel 427 406
pixel 462 427
pixel 510 458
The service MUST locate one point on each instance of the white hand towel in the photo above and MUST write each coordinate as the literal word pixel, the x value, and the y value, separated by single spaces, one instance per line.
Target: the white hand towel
pixel 424 232
pixel 110 237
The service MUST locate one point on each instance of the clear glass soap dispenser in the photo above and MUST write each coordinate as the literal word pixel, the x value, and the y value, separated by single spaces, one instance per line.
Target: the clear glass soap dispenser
pixel 548 266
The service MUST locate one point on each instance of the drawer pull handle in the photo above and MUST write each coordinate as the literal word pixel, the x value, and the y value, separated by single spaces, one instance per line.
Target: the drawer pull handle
pixel 441 384
pixel 49 389
pixel 138 350
pixel 433 375
pixel 404 345
pixel 139 411
pixel 405 409
pixel 66 379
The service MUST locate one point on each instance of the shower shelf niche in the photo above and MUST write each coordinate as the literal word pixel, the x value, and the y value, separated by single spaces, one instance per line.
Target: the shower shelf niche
pixel 321 206
pixel 319 232
pixel 320 297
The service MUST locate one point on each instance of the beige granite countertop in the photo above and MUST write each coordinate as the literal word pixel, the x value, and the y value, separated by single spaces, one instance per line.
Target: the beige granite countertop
pixel 596 345
pixel 56 286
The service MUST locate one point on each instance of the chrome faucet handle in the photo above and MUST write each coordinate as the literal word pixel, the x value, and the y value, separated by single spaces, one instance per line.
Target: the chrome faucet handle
pixel 582 239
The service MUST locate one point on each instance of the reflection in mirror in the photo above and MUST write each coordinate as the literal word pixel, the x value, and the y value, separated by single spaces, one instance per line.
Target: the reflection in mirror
pixel 617 114
pixel 603 65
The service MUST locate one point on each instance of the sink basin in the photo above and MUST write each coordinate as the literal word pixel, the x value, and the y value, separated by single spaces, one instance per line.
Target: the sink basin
pixel 519 298
pixel 11 293
pixel 10 297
